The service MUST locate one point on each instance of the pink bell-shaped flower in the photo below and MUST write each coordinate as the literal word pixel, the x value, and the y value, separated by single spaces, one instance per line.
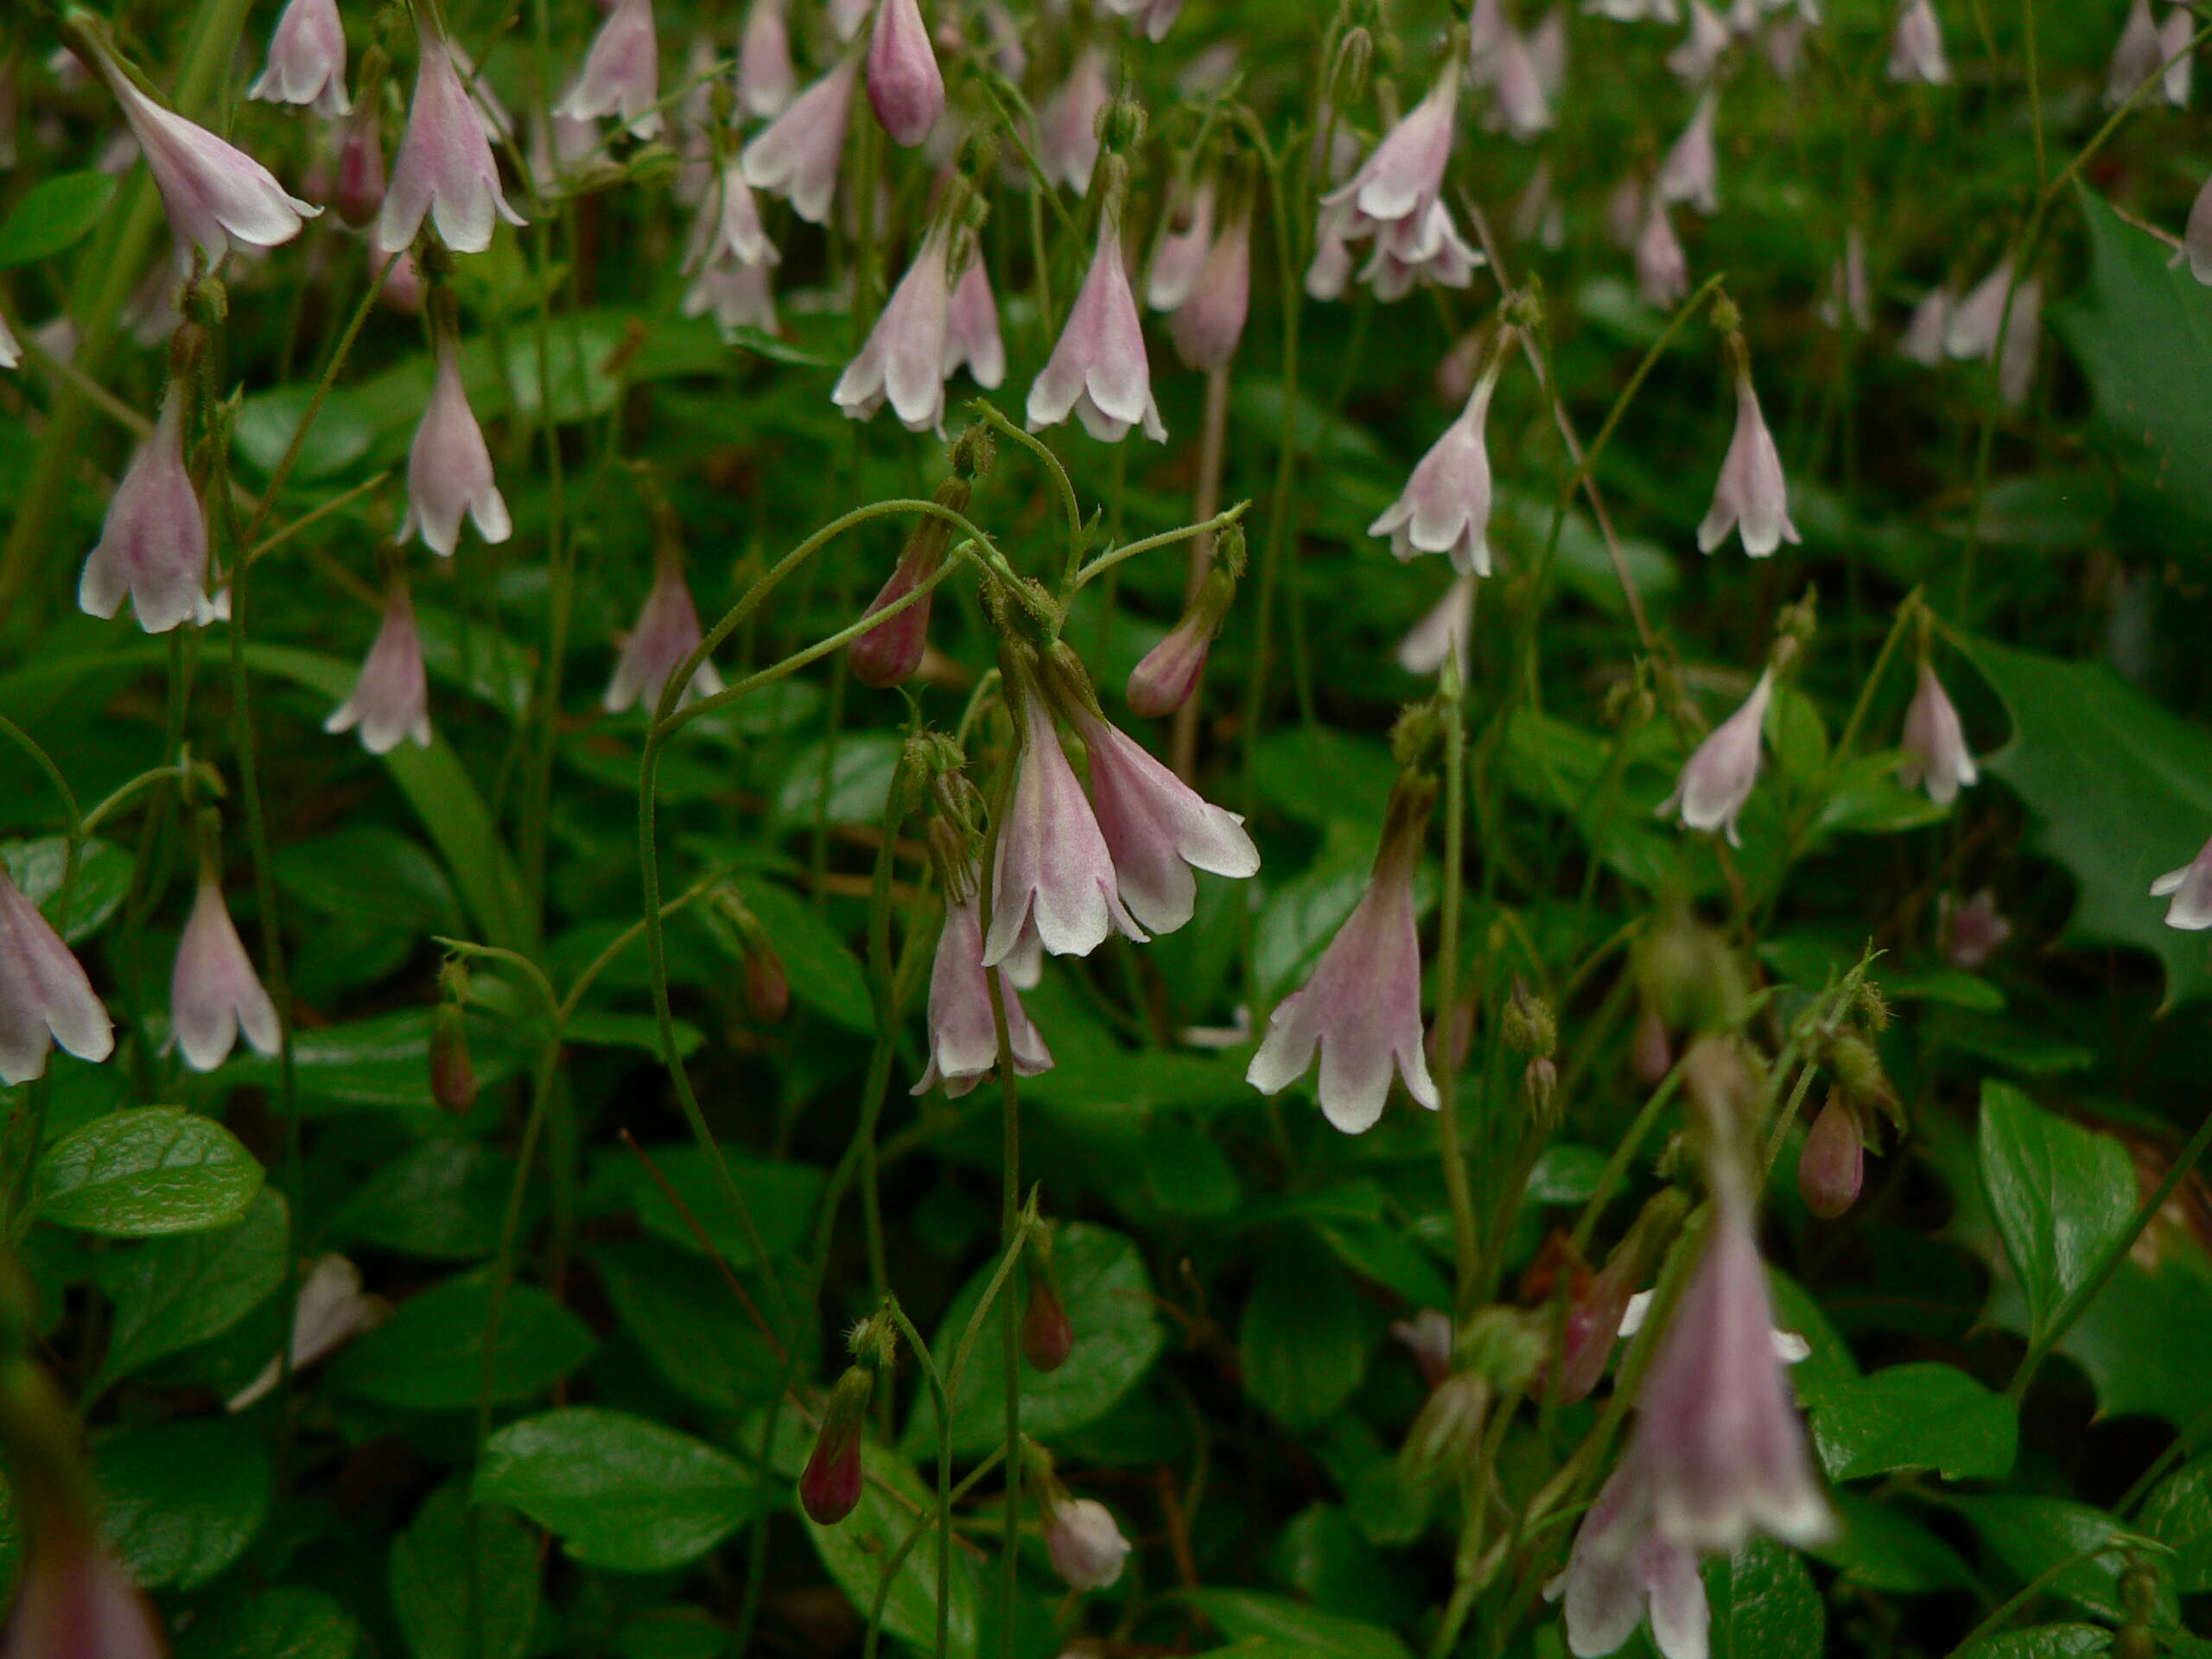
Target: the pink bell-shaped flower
pixel 2139 55
pixel 1157 829
pixel 11 350
pixel 1053 870
pixel 45 997
pixel 1935 744
pixel 2190 889
pixel 1917 46
pixel 214 994
pixel 1164 679
pixel 1182 253
pixel 1395 197
pixel 667 633
pixel 444 168
pixel 1971 933
pixel 1923 341
pixel 332 1310
pixel 971 329
pixel 1699 55
pixel 1443 633
pixel 1086 1544
pixel 2175 36
pixel 797 155
pixel 1210 322
pixel 307 60
pixel 729 224
pixel 740 297
pixel 1067 125
pixel 1970 335
pixel 1717 779
pixel 765 80
pixel 1428 1337
pixel 1361 1010
pixel 846 16
pixel 357 190
pixel 449 468
pixel 1098 371
pixel 963 1038
pixel 217 196
pixel 905 86
pixel 1662 270
pixel 1445 507
pixel 391 700
pixel 621 73
pixel 153 544
pixel 1690 173
pixel 1622 1571
pixel 1752 497
pixel 76 1601
pixel 904 357
pixel 1154 17
pixel 1520 108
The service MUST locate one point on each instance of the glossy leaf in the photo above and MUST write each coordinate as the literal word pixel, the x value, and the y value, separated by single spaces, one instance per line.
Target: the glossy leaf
pixel 2178 1513
pixel 429 1356
pixel 53 215
pixel 1916 1416
pixel 1250 1615
pixel 1764 1604
pixel 184 1500
pixel 158 1169
pixel 291 1622
pixel 430 1579
pixel 96 892
pixel 1302 1337
pixel 2062 1195
pixel 170 1293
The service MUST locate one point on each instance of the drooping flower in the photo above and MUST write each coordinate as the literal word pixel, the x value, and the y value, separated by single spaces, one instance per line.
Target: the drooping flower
pixel 1701 53
pixel 2175 37
pixel 2016 362
pixel 1783 45
pixel 1935 744
pixel 1053 870
pixel 332 1310
pixel 1971 933
pixel 214 994
pixel 1361 1009
pixel 2136 57
pixel 1833 1165
pixel 153 544
pixel 1157 828
pixel 1098 371
pixel 1717 780
pixel 1086 1544
pixel 765 80
pixel 1622 1571
pixel 729 224
pixel 1719 1443
pixel 76 1601
pixel 11 350
pixel 1520 107
pixel 797 155
pixel 1547 53
pixel 1923 342
pixel 1486 26
pixel 357 190
pixel 621 73
pixel 1182 252
pixel 891 652
pixel 444 168
pixel 449 468
pixel 1662 270
pixel 307 60
pixel 1164 679
pixel 1067 126
pixel 1154 17
pixel 667 633
pixel 1917 46
pixel 1447 503
pixel 390 700
pixel 963 1038
pixel 905 86
pixel 2190 889
pixel 971 329
pixel 740 297
pixel 217 196
pixel 1691 172
pixel 45 997
pixel 1633 11
pixel 1539 216
pixel 1396 198
pixel 829 1485
pixel 1427 1336
pixel 1210 322
pixel 1443 633
pixel 1752 496
pixel 905 356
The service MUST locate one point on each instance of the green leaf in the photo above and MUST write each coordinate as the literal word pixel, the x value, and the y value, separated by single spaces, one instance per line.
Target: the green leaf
pixel 1881 1547
pixel 893 1500
pixel 1917 1416
pixel 53 215
pixel 846 779
pixel 1303 1338
pixel 444 1200
pixel 384 1061
pixel 291 1622
pixel 342 435
pixel 170 1293
pixel 430 1579
pixel 2179 1513
pixel 781 1198
pixel 102 881
pixel 1250 1615
pixel 155 1169
pixel 674 1304
pixel 2038 1536
pixel 1108 1295
pixel 2045 1642
pixel 184 1500
pixel 823 973
pixel 2121 789
pixel 366 872
pixel 621 1492
pixel 2062 1195
pixel 1764 1604
pixel 429 1356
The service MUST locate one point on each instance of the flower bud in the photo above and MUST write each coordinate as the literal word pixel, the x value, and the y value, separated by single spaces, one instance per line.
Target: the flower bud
pixel 452 1075
pixel 1163 682
pixel 1354 63
pixel 1833 1164
pixel 1540 1082
pixel 1086 1544
pixel 767 991
pixel 358 191
pixel 829 1485
pixel 1652 1056
pixel 1448 1430
pixel 1528 1024
pixel 1047 1334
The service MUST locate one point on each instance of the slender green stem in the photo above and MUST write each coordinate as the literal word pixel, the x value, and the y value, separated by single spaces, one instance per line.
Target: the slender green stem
pixel 1108 560
pixel 993 418
pixel 1457 1185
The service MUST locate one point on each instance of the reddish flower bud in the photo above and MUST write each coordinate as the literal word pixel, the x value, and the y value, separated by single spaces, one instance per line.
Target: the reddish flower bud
pixel 357 194
pixel 889 653
pixel 830 1486
pixel 1833 1167
pixel 1047 1335
pixel 452 1075
pixel 767 992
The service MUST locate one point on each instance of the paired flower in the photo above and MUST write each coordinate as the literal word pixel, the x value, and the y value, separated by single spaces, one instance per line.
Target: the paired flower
pixel 444 168
pixel 2176 38
pixel 307 60
pixel 1971 331
pixel 739 296
pixel 1752 497
pixel 1717 779
pixel 1445 507
pixel 2190 889
pixel 1209 322
pixel 1361 1010
pixel 1917 46
pixel 217 196
pixel 390 700
pixel 1098 370
pixel 1623 1570
pixel 729 224
pixel 964 1037
pixel 1157 828
pixel 214 994
pixel 1067 126
pixel 797 155
pixel 1181 254
pixel 1154 17
pixel 910 352
pixel 621 73
pixel 45 997
pixel 1935 744
pixel 153 544
pixel 667 633
pixel 1520 108
pixel 905 86
pixel 1396 198
pixel 448 468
